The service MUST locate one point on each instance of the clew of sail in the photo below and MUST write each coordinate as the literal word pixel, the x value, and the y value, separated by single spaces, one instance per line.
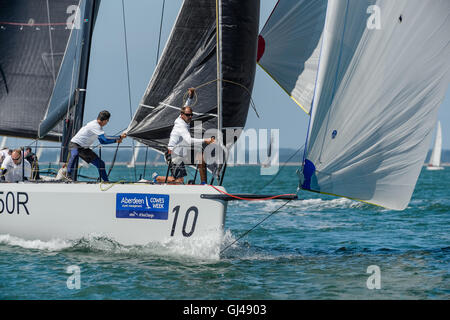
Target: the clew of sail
pixel 189 60
pixel 289 46
pixel 435 159
pixel 33 38
pixel 379 87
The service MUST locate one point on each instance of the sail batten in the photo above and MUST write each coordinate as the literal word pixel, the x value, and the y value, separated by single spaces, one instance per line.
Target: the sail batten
pixel 376 100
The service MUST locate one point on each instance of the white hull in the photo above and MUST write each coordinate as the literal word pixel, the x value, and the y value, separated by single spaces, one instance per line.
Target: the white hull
pixel 71 211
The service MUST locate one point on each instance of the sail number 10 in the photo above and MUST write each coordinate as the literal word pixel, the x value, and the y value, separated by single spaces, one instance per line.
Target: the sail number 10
pixel 187 231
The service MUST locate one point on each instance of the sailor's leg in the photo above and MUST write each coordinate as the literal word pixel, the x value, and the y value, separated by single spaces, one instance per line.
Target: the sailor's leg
pixel 72 161
pixel 100 164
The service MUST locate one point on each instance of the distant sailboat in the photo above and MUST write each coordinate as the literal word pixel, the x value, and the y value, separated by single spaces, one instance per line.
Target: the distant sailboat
pixel 435 159
pixel 3 143
pixel 132 162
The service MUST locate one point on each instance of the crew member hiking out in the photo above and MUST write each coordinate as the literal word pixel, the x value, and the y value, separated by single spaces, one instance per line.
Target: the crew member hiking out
pixel 180 147
pixel 80 144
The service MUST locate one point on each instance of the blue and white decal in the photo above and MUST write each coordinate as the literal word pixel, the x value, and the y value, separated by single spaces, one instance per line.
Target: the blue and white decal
pixel 142 206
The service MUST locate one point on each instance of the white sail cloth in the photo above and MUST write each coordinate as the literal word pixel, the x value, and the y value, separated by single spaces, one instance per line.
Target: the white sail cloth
pixel 378 91
pixel 289 47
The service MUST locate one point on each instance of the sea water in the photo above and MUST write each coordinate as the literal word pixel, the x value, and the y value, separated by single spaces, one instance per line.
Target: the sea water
pixel 317 247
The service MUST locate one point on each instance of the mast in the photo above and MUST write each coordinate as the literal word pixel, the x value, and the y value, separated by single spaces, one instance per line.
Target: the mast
pixel 219 83
pixel 80 96
pixel 219 66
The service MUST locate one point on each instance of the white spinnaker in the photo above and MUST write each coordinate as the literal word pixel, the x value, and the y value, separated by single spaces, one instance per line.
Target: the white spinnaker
pixel 376 100
pixel 292 41
pixel 435 159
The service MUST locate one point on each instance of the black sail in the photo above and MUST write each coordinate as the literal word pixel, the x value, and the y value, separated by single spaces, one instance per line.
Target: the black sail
pixel 33 39
pixel 189 60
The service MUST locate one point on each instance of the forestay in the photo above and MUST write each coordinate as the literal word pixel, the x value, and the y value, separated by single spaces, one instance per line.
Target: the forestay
pixel 189 60
pixel 384 70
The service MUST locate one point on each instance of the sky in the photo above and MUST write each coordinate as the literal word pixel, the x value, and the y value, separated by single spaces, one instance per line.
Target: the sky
pixel 108 85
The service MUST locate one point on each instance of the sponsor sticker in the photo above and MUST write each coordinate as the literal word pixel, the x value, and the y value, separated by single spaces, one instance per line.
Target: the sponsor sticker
pixel 142 206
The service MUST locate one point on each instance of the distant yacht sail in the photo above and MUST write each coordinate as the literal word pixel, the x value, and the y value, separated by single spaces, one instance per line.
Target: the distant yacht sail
pixel 132 162
pixel 435 159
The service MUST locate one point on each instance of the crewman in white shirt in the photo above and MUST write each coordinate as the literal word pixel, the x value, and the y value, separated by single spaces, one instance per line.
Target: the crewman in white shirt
pixel 80 144
pixel 14 168
pixel 180 144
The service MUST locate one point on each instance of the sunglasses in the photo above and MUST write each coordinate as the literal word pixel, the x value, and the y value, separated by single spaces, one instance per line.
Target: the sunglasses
pixel 188 114
pixel 16 159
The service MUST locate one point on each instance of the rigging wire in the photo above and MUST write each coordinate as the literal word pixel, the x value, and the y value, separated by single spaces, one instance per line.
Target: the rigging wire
pixel 282 167
pixel 160 31
pixel 128 74
pixel 255 226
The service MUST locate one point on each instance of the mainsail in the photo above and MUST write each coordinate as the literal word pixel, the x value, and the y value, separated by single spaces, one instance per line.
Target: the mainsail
pixel 33 39
pixel 289 46
pixel 384 70
pixel 189 60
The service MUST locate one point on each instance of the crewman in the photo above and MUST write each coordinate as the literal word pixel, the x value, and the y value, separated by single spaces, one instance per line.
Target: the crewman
pixel 80 144
pixel 180 146
pixel 14 168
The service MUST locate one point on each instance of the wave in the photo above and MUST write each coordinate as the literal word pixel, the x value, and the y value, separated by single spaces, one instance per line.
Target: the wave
pixel 203 248
pixel 50 245
pixel 298 207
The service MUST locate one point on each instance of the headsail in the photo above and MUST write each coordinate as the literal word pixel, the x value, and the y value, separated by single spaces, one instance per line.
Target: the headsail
pixel 189 60
pixel 33 38
pixel 63 95
pixel 378 91
pixel 289 46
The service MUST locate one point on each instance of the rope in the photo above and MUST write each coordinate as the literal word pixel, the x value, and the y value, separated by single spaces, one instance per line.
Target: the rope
pixel 254 227
pixel 110 185
pixel 114 160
